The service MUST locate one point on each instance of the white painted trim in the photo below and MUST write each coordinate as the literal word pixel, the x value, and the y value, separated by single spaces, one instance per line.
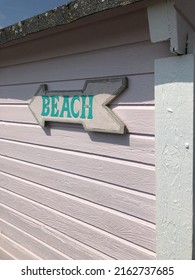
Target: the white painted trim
pixel 166 23
pixel 174 90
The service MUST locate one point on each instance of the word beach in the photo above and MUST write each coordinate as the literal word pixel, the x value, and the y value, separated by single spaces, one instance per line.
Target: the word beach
pixel 68 107
pixel 89 106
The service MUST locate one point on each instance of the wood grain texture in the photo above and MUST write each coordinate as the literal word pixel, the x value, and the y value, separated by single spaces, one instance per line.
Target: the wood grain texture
pixel 99 63
pixel 5 255
pixel 92 236
pixel 119 224
pixel 59 241
pixel 31 243
pixel 131 147
pixel 16 113
pixel 140 90
pixel 133 203
pixel 16 250
pixel 136 119
pixel 130 202
pixel 123 173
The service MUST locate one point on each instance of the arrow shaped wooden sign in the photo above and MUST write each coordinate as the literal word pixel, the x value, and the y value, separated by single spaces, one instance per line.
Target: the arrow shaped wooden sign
pixel 88 106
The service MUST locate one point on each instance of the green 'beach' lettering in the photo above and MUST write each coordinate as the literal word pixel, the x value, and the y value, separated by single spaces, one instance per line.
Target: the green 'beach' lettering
pixel 90 114
pixel 45 106
pixel 65 108
pixel 54 110
pixel 88 106
pixel 68 107
pixel 74 114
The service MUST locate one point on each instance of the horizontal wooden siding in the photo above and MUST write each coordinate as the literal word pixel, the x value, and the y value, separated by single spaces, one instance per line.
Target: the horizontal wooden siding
pixel 66 193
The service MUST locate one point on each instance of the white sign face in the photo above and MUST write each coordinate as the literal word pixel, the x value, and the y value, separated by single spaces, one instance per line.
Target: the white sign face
pixel 88 106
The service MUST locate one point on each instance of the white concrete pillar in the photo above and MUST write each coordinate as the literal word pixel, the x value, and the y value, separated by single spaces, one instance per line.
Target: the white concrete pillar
pixel 174 101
